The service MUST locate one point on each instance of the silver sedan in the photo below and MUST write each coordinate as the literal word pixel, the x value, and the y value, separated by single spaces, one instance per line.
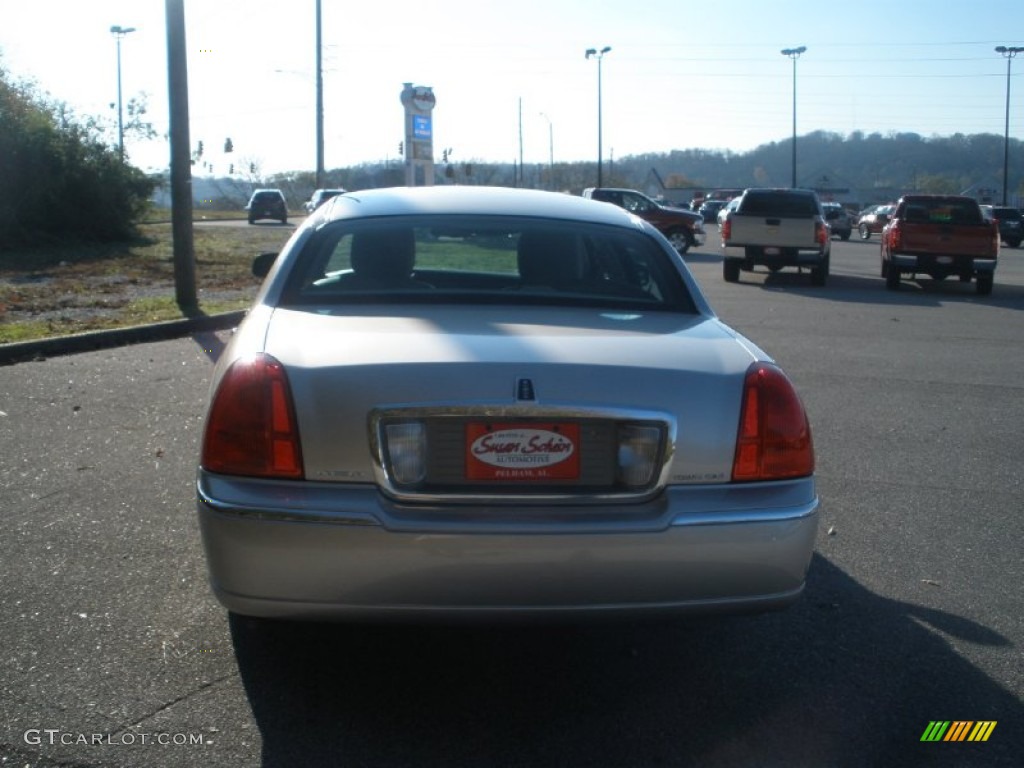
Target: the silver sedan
pixel 468 401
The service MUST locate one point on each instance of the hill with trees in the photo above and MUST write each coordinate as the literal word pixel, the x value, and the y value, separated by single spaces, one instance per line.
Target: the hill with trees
pixel 872 167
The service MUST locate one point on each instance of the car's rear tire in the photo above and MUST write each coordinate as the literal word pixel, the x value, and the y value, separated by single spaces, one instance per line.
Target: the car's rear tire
pixel 865 233
pixel 1013 243
pixel 845 236
pixel 819 273
pixel 984 283
pixel 892 278
pixel 731 270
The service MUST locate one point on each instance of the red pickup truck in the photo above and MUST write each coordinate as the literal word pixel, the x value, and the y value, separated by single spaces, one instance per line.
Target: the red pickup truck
pixel 939 236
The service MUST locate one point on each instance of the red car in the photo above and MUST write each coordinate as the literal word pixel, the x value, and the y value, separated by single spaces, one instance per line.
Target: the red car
pixel 873 220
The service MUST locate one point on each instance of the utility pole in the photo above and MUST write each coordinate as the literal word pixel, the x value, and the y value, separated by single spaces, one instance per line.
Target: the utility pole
pixel 181 165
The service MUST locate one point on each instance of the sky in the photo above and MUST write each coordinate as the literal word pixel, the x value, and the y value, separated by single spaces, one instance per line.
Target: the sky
pixel 512 80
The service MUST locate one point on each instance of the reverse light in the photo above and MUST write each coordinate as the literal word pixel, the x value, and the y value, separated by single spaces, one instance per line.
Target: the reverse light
pixel 639 447
pixel 251 429
pixel 407 451
pixel 774 440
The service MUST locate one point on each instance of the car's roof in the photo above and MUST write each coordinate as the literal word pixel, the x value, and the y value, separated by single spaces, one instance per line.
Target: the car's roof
pixel 486 201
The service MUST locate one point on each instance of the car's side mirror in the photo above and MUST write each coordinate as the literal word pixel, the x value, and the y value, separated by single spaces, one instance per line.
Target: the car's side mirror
pixel 261 264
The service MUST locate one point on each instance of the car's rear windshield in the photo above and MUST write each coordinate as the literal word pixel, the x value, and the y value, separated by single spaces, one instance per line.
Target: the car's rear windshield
pixel 778 203
pixel 942 211
pixel 485 259
pixel 1012 214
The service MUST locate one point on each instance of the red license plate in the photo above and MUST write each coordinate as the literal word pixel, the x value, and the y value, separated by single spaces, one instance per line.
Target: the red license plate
pixel 522 452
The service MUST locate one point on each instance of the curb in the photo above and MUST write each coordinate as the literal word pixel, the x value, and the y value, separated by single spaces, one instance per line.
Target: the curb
pixel 40 349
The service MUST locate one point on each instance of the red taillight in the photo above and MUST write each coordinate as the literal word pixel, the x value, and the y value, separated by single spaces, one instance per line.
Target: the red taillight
pixel 895 236
pixel 774 440
pixel 251 428
pixel 726 231
pixel 821 232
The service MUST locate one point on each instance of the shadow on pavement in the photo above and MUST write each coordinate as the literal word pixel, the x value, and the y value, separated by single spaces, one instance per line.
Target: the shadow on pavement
pixel 843 678
pixel 210 343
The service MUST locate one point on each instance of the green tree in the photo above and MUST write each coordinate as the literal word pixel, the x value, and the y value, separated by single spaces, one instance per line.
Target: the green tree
pixel 58 177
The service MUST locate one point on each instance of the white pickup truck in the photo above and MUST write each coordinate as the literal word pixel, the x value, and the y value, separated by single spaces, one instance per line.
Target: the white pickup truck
pixel 776 228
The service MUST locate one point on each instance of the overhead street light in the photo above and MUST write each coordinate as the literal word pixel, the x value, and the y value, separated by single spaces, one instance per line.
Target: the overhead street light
pixel 1007 52
pixel 794 54
pixel 598 54
pixel 119 33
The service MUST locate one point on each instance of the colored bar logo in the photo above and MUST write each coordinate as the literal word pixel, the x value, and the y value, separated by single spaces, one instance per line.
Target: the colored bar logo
pixel 958 730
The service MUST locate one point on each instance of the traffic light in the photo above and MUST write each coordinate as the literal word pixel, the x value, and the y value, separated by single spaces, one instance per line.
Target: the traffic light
pixel 199 152
pixel 228 146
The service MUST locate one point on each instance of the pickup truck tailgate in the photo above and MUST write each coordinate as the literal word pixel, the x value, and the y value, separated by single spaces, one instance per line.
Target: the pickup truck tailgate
pixel 772 231
pixel 946 239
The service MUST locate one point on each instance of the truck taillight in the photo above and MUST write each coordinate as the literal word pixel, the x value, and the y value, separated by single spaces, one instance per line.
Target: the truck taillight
pixel 895 236
pixel 251 427
pixel 821 233
pixel 726 232
pixel 774 439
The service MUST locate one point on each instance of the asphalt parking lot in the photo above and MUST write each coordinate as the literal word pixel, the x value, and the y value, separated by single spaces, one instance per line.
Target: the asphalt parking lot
pixel 115 653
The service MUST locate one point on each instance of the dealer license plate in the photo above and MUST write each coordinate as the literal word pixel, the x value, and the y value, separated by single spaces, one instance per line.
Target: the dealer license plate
pixel 522 452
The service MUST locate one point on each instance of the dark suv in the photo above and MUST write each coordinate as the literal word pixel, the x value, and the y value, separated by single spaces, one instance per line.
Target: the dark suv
pixel 1011 225
pixel 267 204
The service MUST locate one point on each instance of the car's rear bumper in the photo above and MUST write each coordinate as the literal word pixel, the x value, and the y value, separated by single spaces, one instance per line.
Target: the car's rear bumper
pixel 323 552
pixel 775 255
pixel 910 262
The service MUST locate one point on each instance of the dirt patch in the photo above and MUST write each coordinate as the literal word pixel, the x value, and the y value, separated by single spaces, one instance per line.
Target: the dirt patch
pixel 70 289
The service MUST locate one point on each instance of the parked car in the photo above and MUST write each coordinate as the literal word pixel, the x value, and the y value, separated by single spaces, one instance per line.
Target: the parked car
pixel 873 220
pixel 776 228
pixel 709 209
pixel 267 204
pixel 726 210
pixel 319 197
pixel 838 220
pixel 684 229
pixel 1011 224
pixel 940 236
pixel 482 401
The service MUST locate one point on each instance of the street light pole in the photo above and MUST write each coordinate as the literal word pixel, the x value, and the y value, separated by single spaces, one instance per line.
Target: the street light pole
pixel 794 54
pixel 118 33
pixel 319 100
pixel 551 150
pixel 1007 53
pixel 598 55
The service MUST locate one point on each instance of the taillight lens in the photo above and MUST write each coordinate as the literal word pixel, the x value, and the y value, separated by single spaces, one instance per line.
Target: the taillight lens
pixel 251 428
pixel 774 440
pixel 821 232
pixel 895 237
pixel 726 231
